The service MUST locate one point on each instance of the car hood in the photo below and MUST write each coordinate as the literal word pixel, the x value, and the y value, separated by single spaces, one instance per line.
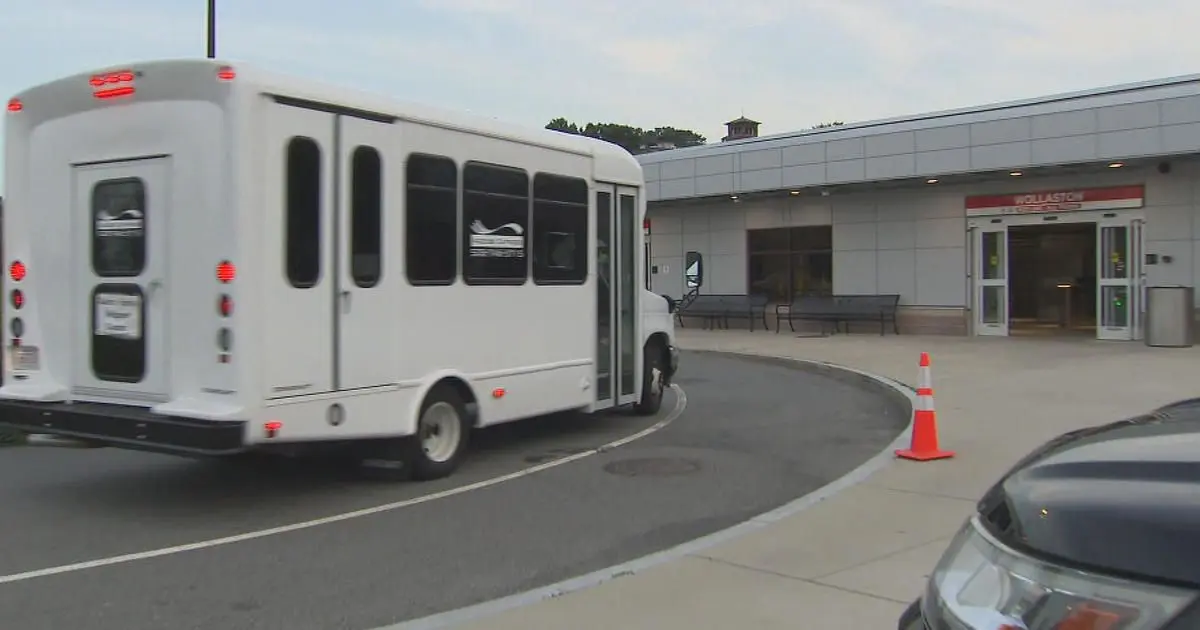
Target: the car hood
pixel 1122 497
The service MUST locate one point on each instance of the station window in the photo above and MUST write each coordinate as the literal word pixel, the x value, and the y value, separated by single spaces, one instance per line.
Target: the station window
pixel 788 262
pixel 431 220
pixel 560 226
pixel 302 221
pixel 366 217
pixel 495 224
pixel 119 227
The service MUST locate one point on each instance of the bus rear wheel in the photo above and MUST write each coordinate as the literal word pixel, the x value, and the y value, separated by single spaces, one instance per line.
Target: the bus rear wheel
pixel 435 450
pixel 441 440
pixel 653 380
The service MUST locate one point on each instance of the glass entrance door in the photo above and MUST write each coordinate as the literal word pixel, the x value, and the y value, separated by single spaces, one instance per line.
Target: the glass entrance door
pixel 991 280
pixel 1115 286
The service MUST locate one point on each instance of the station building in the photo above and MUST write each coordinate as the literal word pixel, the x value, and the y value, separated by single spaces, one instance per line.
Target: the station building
pixel 1043 216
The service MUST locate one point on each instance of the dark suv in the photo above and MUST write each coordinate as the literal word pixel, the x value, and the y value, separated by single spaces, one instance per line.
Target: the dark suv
pixel 1098 529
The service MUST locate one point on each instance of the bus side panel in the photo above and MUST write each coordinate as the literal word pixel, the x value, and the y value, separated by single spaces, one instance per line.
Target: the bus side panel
pixel 537 343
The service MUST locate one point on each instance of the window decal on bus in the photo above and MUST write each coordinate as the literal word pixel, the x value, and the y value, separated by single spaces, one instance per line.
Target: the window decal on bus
pixel 495 220
pixel 506 241
pixel 119 227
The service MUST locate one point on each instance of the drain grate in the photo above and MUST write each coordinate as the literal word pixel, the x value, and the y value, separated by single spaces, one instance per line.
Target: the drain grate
pixel 652 467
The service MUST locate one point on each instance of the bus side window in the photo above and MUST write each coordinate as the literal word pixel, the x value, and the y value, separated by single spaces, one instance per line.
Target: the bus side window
pixel 431 220
pixel 560 229
pixel 366 217
pixel 495 224
pixel 302 218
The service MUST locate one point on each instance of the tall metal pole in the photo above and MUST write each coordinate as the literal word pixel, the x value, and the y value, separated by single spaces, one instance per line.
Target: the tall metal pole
pixel 212 29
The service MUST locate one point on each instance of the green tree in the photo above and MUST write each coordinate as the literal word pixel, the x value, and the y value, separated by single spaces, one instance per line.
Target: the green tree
pixel 563 125
pixel 633 139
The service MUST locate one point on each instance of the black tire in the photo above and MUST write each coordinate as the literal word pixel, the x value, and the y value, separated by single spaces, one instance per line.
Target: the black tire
pixel 653 380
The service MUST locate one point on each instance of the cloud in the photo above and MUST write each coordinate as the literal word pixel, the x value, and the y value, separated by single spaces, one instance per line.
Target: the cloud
pixel 788 63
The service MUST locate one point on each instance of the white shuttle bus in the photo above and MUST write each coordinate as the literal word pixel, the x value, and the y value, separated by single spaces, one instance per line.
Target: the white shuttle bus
pixel 207 259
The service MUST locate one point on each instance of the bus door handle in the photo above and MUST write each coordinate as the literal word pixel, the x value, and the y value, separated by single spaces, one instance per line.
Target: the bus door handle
pixel 345 296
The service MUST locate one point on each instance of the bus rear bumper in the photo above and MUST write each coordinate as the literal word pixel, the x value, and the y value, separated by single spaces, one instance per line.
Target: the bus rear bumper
pixel 124 426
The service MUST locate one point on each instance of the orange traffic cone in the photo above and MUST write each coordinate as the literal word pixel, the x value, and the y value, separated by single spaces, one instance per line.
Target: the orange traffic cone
pixel 924 445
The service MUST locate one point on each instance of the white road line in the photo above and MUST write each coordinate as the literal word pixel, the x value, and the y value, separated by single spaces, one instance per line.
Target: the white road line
pixel 680 405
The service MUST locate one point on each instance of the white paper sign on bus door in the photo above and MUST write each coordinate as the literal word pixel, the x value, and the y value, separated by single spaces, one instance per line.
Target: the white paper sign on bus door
pixel 119 315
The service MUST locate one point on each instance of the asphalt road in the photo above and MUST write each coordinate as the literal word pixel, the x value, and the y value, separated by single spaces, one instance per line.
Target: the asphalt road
pixel 755 435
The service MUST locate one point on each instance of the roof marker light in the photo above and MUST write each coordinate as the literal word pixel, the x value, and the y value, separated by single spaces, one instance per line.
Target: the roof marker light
pixel 113 84
pixel 15 105
pixel 226 73
pixel 100 80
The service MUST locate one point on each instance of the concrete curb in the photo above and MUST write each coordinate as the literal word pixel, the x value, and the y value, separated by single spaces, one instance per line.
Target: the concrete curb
pixel 902 395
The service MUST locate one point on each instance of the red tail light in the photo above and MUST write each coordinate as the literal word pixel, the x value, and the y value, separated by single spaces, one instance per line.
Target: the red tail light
pixel 114 92
pixel 100 80
pixel 18 298
pixel 15 105
pixel 226 272
pixel 225 306
pixel 17 271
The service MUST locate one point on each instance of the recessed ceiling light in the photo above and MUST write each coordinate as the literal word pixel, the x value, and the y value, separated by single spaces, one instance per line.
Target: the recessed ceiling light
pixel 1116 165
pixel 1015 174
pixel 932 180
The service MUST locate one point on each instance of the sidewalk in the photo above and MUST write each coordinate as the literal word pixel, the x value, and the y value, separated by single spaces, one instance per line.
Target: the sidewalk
pixel 855 560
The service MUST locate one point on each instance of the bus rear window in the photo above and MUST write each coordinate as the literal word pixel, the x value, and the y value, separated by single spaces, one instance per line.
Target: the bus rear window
pixel 118 211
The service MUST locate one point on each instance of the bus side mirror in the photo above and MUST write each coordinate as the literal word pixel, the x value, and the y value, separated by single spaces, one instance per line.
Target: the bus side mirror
pixel 694 270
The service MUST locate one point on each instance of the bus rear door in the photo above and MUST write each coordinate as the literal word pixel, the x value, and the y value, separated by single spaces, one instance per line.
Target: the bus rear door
pixel 121 271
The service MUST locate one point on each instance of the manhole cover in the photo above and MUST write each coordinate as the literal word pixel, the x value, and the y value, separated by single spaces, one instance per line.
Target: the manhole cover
pixel 652 467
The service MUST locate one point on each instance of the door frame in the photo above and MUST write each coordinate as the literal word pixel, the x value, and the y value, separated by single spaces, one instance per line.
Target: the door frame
pixel 1129 280
pixel 1135 218
pixel 982 284
pixel 152 282
pixel 361 359
pixel 334 288
pixel 623 250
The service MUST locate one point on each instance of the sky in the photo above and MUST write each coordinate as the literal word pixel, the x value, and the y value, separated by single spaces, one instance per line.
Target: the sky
pixel 691 64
